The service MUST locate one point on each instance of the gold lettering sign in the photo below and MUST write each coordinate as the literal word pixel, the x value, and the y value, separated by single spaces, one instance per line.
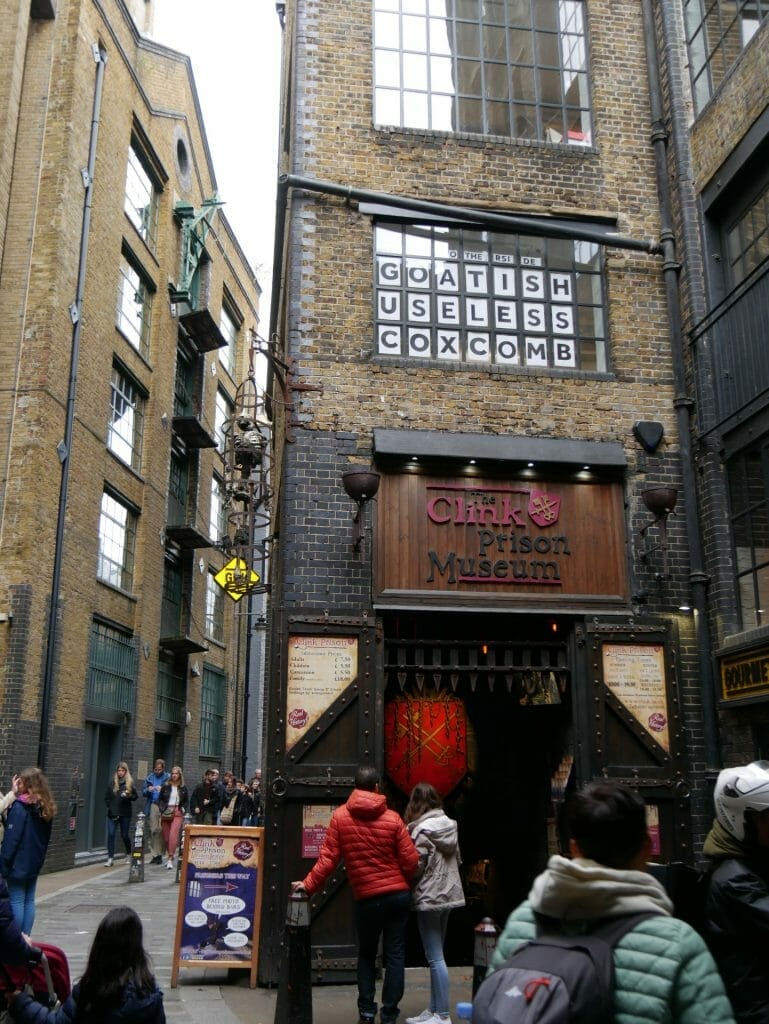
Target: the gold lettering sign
pixel 746 676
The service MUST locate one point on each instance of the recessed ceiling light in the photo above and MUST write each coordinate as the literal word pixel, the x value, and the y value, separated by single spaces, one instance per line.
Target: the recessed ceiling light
pixel 415 458
pixel 530 465
pixel 472 462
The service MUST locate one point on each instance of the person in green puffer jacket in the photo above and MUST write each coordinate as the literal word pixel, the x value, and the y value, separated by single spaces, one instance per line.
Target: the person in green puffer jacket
pixel 664 973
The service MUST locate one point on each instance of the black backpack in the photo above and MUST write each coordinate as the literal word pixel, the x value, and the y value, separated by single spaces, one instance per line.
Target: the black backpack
pixel 556 978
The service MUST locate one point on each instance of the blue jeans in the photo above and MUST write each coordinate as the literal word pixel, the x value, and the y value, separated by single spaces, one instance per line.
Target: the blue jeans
pixel 432 930
pixel 22 897
pixel 112 824
pixel 385 916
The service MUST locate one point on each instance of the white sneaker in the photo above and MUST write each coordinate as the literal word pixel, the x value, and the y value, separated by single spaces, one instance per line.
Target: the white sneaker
pixel 108 862
pixel 423 1017
pixel 170 864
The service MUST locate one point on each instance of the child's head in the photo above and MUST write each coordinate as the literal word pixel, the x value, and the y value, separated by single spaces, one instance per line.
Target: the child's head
pixel 117 956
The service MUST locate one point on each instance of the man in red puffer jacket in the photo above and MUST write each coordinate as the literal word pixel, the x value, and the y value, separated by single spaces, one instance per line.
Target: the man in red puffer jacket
pixel 380 859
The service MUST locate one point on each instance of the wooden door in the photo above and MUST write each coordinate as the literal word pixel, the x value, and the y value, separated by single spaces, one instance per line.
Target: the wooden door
pixel 324 720
pixel 630 725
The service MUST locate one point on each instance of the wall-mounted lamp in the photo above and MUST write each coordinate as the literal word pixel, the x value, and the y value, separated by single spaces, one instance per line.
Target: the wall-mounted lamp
pixel 660 501
pixel 361 485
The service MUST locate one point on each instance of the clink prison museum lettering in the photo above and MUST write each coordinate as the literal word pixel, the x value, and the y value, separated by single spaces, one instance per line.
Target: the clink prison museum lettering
pixel 502 531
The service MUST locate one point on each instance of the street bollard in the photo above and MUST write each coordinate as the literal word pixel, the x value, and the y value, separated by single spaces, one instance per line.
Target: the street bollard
pixel 486 934
pixel 186 820
pixel 136 870
pixel 294 1000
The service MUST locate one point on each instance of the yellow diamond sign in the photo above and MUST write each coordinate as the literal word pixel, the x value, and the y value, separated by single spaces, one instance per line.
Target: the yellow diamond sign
pixel 236 578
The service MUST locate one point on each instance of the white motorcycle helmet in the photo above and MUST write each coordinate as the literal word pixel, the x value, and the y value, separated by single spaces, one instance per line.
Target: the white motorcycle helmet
pixel 745 788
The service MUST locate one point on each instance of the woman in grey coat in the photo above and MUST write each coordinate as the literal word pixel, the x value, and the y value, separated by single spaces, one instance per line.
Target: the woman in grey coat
pixel 437 889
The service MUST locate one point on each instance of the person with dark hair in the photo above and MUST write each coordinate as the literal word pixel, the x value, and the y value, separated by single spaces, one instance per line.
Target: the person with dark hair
pixel 25 843
pixel 663 969
pixel 380 860
pixel 437 891
pixel 737 905
pixel 117 986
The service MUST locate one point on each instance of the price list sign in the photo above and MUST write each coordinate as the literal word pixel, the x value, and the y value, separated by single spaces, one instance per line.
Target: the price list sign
pixel 320 668
pixel 635 674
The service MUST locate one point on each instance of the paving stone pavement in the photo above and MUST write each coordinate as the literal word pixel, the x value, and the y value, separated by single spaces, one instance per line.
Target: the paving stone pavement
pixel 71 903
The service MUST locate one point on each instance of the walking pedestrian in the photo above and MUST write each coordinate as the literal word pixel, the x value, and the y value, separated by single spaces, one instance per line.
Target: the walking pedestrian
pixel 119 797
pixel 117 986
pixel 151 792
pixel 380 860
pixel 5 802
pixel 14 948
pixel 172 803
pixel 205 800
pixel 664 973
pixel 25 843
pixel 437 891
pixel 737 905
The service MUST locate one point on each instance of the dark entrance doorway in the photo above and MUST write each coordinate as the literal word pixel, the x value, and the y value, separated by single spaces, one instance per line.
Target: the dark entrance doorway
pixel 510 678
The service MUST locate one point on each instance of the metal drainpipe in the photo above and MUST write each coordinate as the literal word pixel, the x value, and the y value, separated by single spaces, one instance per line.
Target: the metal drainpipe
pixel 698 578
pixel 65 446
pixel 505 221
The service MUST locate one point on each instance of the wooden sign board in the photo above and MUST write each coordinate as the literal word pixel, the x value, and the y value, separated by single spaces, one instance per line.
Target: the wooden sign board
pixel 220 899
pixel 490 541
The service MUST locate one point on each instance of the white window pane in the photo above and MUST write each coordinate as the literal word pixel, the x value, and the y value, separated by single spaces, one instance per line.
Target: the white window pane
pixel 439 36
pixel 441 77
pixel 415 33
pixel 388 69
pixel 415 113
pixel 387 107
pixel 415 71
pixel 443 113
pixel 386 30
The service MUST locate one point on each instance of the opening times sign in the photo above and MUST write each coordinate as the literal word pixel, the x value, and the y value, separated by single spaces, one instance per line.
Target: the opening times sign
pixel 320 668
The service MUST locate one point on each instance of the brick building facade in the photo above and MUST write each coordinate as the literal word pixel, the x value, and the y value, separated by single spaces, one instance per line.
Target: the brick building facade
pixel 492 264
pixel 129 309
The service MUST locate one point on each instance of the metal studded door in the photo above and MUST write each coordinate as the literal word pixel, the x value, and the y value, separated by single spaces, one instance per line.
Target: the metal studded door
pixel 630 726
pixel 324 720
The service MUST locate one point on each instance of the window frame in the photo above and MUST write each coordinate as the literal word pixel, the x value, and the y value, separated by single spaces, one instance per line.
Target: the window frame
pixel 509 68
pixel 474 273
pixel 224 410
pixel 230 326
pixel 213 712
pixel 121 575
pixel 134 445
pixel 214 615
pixel 708 63
pixel 138 337
pixel 111 683
pixel 141 182
pixel 743 520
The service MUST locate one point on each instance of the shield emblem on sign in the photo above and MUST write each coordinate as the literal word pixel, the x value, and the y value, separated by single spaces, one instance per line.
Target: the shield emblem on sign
pixel 426 741
pixel 544 509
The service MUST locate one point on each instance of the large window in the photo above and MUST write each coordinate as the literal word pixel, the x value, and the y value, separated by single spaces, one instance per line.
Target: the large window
pixel 112 668
pixel 223 413
pixel 512 68
pixel 126 420
pixel 229 327
pixel 134 305
pixel 747 238
pixel 748 479
pixel 717 31
pixel 213 703
pixel 117 541
pixel 141 196
pixel 214 609
pixel 482 298
pixel 217 524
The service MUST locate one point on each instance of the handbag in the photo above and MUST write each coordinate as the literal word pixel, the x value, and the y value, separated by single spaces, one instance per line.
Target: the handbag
pixel 168 813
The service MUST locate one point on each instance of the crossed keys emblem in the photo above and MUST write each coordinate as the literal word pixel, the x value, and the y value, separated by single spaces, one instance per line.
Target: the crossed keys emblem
pixel 544 509
pixel 410 726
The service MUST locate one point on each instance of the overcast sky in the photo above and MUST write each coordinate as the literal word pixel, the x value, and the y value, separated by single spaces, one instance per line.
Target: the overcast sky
pixel 235 50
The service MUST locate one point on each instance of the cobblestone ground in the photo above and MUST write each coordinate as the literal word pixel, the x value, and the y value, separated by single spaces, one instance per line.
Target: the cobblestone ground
pixel 70 905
